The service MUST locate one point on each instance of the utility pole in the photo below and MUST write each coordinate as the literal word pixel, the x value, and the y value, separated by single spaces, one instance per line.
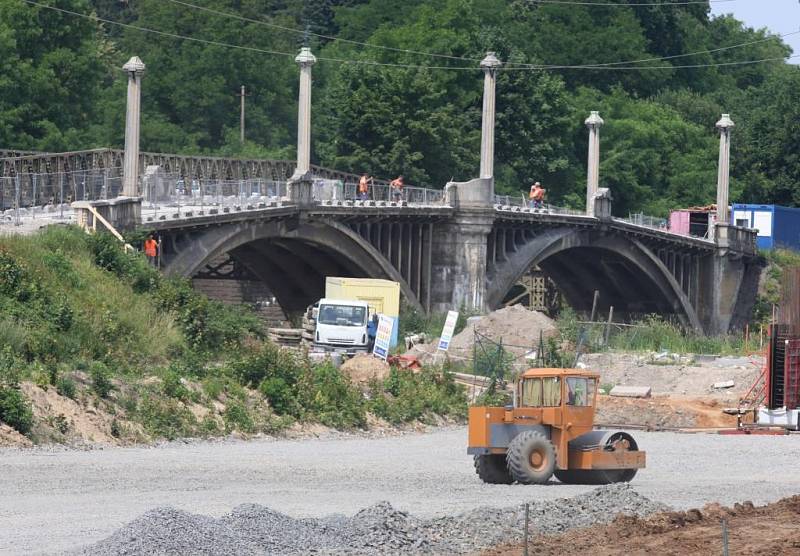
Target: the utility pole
pixel 241 115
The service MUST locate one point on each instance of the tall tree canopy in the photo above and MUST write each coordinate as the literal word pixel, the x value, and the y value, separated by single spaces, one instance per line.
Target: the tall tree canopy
pixel 381 105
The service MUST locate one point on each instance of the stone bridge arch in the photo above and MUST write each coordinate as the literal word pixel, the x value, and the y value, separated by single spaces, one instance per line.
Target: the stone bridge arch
pixel 291 255
pixel 581 260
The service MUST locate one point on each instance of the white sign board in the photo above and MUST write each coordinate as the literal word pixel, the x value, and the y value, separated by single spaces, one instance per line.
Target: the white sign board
pixel 763 222
pixel 383 337
pixel 447 331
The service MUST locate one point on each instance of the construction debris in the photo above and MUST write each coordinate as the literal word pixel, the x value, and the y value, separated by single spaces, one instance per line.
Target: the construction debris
pixel 286 337
pixel 631 391
pixel 723 384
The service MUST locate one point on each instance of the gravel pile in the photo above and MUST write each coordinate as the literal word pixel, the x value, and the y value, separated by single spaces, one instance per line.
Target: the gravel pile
pixel 378 529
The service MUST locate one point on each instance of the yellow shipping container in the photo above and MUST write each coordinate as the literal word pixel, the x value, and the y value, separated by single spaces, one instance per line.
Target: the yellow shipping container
pixel 382 296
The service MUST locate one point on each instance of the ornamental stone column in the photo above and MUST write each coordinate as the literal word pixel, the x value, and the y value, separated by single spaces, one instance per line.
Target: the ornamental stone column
pixel 135 69
pixel 593 122
pixel 489 66
pixel 725 125
pixel 305 60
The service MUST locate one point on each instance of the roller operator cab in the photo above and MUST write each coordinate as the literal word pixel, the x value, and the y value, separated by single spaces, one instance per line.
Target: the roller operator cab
pixel 549 430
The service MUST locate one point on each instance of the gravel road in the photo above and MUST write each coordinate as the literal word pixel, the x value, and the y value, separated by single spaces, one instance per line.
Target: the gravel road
pixel 56 499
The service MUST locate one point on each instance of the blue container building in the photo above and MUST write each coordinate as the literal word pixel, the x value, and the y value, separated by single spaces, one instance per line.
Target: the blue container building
pixel 777 226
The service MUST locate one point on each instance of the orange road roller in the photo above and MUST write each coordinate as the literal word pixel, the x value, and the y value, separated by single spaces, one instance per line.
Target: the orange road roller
pixel 549 429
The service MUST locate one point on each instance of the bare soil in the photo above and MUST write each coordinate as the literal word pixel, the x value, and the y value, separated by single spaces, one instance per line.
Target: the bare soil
pixel 770 529
pixel 364 367
pixel 664 412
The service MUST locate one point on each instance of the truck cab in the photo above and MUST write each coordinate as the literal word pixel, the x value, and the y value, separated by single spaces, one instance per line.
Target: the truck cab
pixel 342 326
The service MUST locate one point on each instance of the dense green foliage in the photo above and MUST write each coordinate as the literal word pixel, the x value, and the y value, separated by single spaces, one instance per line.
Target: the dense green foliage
pixel 62 89
pixel 94 322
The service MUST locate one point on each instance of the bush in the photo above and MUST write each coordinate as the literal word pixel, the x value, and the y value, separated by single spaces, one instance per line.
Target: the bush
pixel 328 396
pixel 101 379
pixel 405 396
pixel 165 418
pixel 236 416
pixel 15 411
pixel 65 386
pixel 173 387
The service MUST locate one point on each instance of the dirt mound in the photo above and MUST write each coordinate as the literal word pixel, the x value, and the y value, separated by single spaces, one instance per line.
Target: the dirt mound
pixel 10 437
pixel 770 529
pixel 663 412
pixel 364 367
pixel 516 327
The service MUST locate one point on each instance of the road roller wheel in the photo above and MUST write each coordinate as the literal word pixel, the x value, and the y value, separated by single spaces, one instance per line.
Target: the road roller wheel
pixel 617 441
pixel 491 468
pixel 531 458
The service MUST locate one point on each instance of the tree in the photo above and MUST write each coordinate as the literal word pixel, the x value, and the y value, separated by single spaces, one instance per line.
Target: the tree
pixel 52 71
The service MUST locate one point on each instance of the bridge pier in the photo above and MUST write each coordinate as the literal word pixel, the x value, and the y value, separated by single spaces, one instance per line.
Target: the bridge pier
pixel 459 254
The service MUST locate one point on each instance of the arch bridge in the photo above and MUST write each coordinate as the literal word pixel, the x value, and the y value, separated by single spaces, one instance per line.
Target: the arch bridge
pixel 459 254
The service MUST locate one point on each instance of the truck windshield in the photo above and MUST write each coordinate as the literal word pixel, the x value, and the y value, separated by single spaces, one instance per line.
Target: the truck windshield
pixel 342 315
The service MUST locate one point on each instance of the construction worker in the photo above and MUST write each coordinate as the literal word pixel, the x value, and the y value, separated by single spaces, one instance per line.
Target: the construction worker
pixel 363 187
pixel 151 250
pixel 536 196
pixel 397 188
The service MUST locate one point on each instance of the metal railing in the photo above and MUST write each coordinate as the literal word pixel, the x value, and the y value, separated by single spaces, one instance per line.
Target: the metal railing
pixel 512 201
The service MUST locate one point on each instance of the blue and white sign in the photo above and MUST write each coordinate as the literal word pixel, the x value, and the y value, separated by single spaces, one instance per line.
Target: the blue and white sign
pixel 383 337
pixel 447 331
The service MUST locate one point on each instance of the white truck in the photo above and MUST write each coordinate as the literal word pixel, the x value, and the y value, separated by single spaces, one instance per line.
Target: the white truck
pixel 342 326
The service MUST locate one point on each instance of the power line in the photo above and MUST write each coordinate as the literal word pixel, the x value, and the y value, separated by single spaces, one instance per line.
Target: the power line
pixel 329 37
pixel 667 67
pixel 632 4
pixel 388 64
pixel 460 58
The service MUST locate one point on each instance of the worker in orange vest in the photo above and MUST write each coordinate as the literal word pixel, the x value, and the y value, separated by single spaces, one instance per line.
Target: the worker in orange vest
pixel 151 250
pixel 536 195
pixel 397 188
pixel 363 187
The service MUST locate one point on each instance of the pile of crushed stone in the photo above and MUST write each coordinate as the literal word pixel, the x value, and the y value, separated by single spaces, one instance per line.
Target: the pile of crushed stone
pixel 378 529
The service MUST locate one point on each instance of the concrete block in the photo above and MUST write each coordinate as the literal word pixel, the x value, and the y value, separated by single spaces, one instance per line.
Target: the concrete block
pixel 631 391
pixel 723 384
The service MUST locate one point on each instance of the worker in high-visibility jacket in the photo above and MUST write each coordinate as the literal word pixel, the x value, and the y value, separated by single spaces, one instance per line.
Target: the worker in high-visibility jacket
pixel 151 250
pixel 536 196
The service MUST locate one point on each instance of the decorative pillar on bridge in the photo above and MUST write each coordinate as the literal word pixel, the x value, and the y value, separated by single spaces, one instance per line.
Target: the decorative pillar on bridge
pixel 593 122
pixel 300 184
pixel 130 174
pixel 125 211
pixel 725 125
pixel 489 66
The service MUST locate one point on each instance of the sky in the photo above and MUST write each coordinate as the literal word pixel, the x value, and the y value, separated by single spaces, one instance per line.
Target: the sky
pixel 779 16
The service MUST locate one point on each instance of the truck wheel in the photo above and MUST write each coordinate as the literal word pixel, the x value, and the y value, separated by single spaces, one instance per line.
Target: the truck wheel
pixel 531 458
pixel 491 468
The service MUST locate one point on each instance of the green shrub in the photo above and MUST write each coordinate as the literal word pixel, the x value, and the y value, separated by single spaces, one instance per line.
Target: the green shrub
pixel 213 387
pixel 101 379
pixel 15 411
pixel 327 395
pixel 173 387
pixel 165 418
pixel 237 417
pixel 405 396
pixel 65 386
